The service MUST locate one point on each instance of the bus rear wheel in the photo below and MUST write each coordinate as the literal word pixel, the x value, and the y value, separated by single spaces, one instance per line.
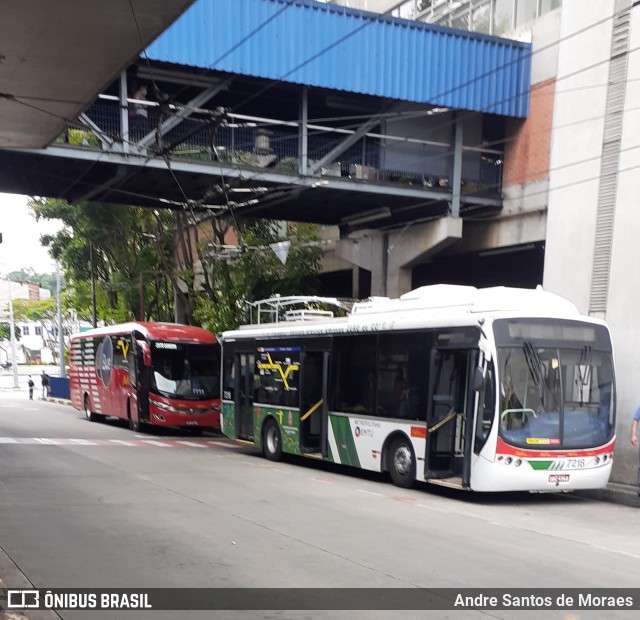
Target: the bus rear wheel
pixel 401 463
pixel 272 441
pixel 90 415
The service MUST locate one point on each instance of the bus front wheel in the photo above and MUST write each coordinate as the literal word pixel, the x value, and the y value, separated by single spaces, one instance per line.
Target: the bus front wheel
pixel 135 426
pixel 401 463
pixel 272 441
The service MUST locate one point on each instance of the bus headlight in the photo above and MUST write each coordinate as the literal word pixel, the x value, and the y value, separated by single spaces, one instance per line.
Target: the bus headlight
pixel 518 463
pixel 508 460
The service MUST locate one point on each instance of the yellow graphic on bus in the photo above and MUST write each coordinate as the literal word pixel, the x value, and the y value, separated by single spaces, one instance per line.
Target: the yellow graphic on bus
pixel 271 365
pixel 123 346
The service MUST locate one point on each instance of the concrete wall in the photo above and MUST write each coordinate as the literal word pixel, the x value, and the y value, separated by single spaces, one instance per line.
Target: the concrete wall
pixel 578 122
pixel 623 313
pixel 576 150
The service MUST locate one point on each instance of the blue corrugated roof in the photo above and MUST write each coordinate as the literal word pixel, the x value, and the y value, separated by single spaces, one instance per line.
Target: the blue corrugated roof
pixel 330 46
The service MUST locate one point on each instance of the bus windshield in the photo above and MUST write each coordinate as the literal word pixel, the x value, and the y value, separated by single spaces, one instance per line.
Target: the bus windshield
pixel 186 371
pixel 555 396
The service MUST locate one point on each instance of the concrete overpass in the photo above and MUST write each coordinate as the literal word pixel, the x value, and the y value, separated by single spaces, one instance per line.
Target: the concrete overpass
pixel 55 57
pixel 321 134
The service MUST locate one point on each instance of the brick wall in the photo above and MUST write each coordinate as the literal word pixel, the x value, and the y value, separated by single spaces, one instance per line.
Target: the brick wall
pixel 526 153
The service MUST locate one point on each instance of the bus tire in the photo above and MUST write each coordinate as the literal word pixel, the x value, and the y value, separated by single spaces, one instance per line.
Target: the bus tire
pixel 271 440
pixel 402 463
pixel 90 415
pixel 136 427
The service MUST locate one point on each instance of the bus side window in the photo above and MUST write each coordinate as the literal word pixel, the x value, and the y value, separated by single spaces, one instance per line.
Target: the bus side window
pixel 486 411
pixel 354 368
pixel 229 378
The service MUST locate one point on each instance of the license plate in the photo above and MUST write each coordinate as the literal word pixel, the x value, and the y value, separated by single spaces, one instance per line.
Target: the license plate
pixel 192 423
pixel 559 478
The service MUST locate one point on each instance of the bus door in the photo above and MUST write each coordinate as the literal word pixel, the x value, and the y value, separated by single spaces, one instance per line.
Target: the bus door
pixel 143 380
pixel 245 367
pixel 450 414
pixel 313 402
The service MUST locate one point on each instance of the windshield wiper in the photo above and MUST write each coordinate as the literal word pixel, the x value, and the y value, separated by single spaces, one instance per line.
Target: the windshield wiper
pixel 536 368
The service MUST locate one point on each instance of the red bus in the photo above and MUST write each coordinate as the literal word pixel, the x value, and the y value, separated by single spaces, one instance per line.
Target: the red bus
pixel 156 374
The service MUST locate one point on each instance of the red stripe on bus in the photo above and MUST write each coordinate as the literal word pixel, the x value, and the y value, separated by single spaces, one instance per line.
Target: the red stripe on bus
pixel 505 448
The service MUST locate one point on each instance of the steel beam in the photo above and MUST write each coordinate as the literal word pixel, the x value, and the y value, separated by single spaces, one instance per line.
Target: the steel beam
pixel 184 113
pixel 344 145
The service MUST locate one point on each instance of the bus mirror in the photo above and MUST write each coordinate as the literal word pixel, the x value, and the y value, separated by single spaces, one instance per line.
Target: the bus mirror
pixel 478 378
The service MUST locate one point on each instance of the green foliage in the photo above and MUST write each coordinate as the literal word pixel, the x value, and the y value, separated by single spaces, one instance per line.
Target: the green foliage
pixel 43 280
pixel 127 243
pixel 5 332
pixel 257 273
pixel 37 310
pixel 81 137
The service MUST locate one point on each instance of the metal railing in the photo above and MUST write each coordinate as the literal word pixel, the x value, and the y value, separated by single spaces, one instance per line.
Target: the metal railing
pixel 275 145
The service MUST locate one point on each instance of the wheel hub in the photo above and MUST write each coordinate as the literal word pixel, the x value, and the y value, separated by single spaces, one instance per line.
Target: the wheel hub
pixel 402 460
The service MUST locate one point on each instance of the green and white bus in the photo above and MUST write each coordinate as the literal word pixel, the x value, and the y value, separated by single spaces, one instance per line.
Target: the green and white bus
pixel 496 389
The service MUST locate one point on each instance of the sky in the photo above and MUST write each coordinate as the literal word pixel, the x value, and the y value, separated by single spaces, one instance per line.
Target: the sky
pixel 20 247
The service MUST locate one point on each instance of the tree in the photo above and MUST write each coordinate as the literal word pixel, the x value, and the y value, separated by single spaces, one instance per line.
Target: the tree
pixel 127 243
pixel 45 313
pixel 27 274
pixel 174 252
pixel 254 272
pixel 5 332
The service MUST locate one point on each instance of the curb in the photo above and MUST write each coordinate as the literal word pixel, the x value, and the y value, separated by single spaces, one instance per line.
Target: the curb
pixel 58 401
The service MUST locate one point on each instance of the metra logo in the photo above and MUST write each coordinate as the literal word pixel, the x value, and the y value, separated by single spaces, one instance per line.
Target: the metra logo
pixel 105 360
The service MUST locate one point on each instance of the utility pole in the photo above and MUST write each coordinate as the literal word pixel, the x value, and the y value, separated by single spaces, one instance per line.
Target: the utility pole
pixel 94 315
pixel 63 369
pixel 141 292
pixel 12 329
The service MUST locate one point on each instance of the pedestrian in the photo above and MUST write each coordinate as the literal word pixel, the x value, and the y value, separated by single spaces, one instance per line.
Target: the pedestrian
pixel 634 438
pixel 31 385
pixel 45 384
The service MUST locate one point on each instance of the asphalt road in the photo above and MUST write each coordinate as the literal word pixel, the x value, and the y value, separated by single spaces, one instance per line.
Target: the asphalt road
pixel 87 505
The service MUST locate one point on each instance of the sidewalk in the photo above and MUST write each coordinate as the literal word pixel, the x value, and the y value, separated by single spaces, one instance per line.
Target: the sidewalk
pixel 616 492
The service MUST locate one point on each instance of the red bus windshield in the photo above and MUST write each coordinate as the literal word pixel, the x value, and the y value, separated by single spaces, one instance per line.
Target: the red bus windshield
pixel 185 371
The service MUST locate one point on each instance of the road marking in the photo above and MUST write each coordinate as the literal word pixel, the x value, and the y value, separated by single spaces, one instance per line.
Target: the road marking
pixel 160 444
pixel 129 443
pixel 192 444
pixel 371 493
pixel 223 444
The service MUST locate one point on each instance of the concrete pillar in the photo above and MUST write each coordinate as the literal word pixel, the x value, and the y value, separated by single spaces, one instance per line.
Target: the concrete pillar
pixel 456 172
pixel 390 256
